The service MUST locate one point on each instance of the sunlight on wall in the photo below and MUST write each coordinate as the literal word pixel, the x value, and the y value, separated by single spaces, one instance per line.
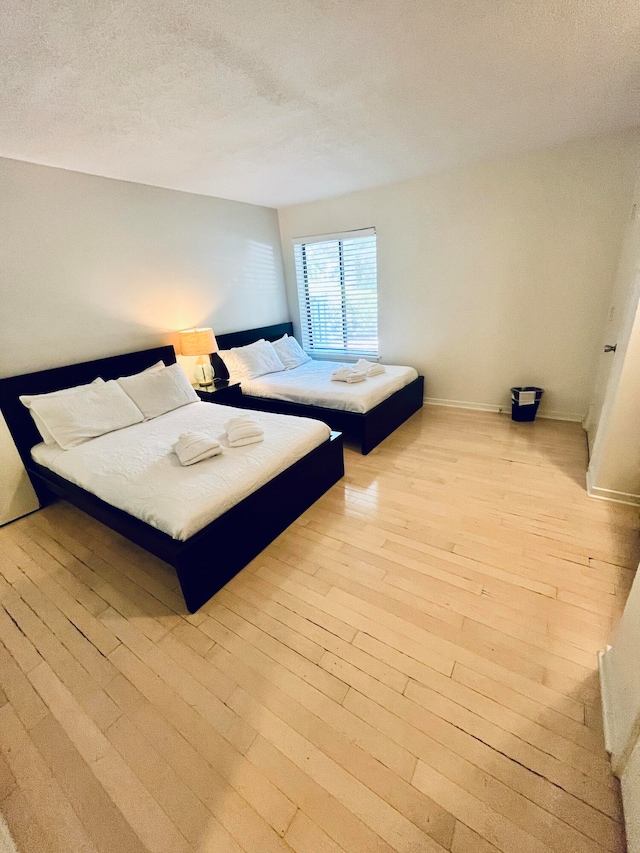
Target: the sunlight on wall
pixel 259 271
pixel 159 304
pixel 155 302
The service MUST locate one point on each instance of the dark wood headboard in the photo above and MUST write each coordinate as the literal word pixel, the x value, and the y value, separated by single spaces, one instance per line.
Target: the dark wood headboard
pixel 249 336
pixel 17 416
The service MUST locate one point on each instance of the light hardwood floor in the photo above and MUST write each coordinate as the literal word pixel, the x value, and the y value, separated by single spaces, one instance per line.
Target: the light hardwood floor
pixel 410 667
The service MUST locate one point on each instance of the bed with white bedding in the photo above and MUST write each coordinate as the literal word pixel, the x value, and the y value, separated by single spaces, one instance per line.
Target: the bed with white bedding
pixel 310 384
pixel 136 469
pixel 207 520
pixel 366 412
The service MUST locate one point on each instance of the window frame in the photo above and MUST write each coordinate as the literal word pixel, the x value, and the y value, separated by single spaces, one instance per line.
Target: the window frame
pixel 301 266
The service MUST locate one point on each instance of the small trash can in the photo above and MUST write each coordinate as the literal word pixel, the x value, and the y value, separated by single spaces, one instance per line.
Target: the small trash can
pixel 525 402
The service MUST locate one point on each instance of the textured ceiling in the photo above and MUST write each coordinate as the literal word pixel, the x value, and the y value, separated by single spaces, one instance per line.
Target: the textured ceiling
pixel 281 101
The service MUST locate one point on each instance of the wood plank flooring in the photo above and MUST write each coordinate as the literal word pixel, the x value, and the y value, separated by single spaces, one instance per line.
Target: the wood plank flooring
pixel 410 667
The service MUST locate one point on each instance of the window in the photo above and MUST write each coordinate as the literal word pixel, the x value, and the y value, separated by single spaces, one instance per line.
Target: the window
pixel 338 292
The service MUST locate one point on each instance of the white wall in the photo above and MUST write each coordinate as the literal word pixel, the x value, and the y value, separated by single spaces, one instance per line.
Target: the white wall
pixel 493 275
pixel 630 784
pixel 92 266
pixel 620 683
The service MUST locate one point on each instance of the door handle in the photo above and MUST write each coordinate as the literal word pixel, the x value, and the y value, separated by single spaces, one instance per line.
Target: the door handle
pixel 610 348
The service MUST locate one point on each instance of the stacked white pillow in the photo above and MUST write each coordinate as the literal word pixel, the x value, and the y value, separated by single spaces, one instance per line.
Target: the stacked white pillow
pixel 28 399
pixel 74 415
pixel 263 357
pixel 90 412
pixel 257 359
pixel 156 392
pixel 290 352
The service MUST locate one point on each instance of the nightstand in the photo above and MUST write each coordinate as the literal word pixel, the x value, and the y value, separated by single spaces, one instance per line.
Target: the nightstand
pixel 226 393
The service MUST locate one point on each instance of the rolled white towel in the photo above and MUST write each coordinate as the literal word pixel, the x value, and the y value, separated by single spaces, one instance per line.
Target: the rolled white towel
pixel 250 439
pixel 372 368
pixel 193 447
pixel 348 374
pixel 248 431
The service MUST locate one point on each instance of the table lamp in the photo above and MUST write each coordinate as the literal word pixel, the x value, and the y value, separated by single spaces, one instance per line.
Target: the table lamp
pixel 200 342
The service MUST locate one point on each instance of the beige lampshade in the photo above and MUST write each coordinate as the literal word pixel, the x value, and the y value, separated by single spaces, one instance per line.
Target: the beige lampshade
pixel 198 342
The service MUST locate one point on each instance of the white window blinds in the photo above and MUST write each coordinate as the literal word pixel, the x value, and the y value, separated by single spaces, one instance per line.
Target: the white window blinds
pixel 338 292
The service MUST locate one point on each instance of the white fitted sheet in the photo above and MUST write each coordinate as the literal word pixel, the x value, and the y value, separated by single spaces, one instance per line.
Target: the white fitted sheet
pixel 136 470
pixel 311 385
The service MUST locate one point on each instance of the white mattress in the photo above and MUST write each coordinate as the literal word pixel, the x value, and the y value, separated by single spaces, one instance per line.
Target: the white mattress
pixel 136 470
pixel 311 385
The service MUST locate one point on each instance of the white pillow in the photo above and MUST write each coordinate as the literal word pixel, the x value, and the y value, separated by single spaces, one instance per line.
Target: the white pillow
pixel 154 368
pixel 257 359
pixel 290 352
pixel 231 363
pixel 159 391
pixel 92 411
pixel 27 400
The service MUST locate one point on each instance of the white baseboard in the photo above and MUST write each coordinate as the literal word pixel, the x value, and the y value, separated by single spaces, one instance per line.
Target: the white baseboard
pixel 604 659
pixel 574 417
pixel 610 494
pixel 490 407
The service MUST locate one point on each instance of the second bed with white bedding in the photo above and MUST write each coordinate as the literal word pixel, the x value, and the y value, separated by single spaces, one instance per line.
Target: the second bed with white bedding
pixel 311 385
pixel 136 469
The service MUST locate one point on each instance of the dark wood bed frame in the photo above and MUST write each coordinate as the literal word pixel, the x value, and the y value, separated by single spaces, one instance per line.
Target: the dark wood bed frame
pixel 208 559
pixel 368 429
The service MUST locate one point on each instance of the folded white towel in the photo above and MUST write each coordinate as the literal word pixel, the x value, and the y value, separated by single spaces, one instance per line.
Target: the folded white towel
pixel 234 423
pixel 247 431
pixel 372 368
pixel 250 439
pixel 193 447
pixel 348 374
pixel 241 431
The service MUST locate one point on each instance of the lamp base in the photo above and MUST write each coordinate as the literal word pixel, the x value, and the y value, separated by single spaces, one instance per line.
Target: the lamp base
pixel 203 374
